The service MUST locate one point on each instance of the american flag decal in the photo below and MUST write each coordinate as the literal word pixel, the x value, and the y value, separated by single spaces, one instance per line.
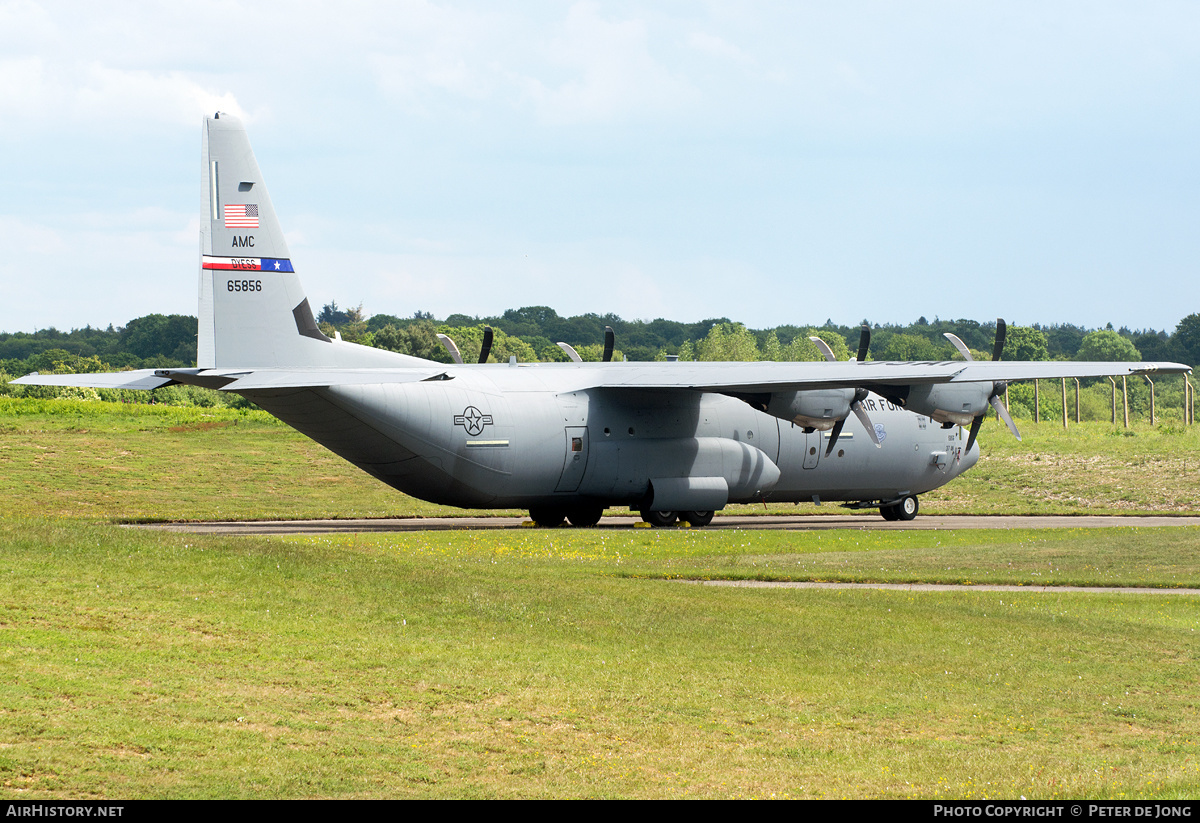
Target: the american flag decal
pixel 241 217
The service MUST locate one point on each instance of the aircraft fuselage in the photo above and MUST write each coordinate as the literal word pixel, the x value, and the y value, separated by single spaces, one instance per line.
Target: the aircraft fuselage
pixel 520 436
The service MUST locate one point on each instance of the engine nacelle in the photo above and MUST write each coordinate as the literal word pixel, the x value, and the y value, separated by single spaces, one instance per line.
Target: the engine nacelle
pixel 814 409
pixel 949 404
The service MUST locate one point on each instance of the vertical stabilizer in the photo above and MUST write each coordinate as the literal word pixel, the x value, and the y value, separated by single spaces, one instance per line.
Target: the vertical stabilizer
pixel 252 310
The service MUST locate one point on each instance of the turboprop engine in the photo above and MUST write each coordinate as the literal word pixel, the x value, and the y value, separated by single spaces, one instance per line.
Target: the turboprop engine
pixel 819 409
pixel 947 403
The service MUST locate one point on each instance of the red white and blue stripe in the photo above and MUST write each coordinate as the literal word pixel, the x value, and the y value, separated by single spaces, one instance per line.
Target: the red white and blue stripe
pixel 246 264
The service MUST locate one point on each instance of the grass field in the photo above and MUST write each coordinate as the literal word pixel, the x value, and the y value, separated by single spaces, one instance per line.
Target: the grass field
pixel 574 663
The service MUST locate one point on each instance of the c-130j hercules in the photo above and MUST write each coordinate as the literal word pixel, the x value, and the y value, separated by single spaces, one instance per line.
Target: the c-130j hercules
pixel 567 440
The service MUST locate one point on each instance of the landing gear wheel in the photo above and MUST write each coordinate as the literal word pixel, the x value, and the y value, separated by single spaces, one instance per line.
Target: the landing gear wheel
pixel 585 515
pixel 660 519
pixel 547 516
pixel 889 512
pixel 697 519
pixel 906 509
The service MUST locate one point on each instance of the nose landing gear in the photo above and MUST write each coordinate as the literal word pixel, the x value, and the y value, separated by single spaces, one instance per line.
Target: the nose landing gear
pixel 904 509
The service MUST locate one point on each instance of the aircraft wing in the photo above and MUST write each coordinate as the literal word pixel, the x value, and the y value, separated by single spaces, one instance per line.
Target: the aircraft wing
pixel 779 377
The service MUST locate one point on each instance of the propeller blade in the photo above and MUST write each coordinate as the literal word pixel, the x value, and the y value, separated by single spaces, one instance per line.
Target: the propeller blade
pixel 570 352
pixel 958 344
pixel 975 424
pixel 998 405
pixel 1001 333
pixel 823 347
pixel 451 347
pixel 864 343
pixel 610 338
pixel 833 436
pixel 861 414
pixel 486 349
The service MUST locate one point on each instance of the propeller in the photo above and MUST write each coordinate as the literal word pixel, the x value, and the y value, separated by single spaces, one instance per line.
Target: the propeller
pixel 856 406
pixel 864 343
pixel 569 350
pixel 998 388
pixel 610 338
pixel 451 347
pixel 486 349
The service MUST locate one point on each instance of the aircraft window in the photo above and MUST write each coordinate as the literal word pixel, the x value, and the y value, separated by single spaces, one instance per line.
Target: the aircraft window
pixel 812 449
pixel 576 444
pixel 631 429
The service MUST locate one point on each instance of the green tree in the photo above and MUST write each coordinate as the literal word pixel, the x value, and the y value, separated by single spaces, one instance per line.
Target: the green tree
pixel 909 347
pixel 1187 336
pixel 157 335
pixel 1024 343
pixel 1107 345
pixel 418 339
pixel 728 341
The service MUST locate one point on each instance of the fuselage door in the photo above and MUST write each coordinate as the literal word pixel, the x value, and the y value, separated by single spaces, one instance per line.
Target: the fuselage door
pixel 812 449
pixel 574 460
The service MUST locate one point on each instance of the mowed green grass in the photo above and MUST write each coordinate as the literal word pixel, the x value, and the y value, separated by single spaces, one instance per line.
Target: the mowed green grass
pixel 563 663
pixel 558 663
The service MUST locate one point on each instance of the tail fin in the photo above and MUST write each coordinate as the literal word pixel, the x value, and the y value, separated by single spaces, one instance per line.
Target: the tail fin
pixel 253 310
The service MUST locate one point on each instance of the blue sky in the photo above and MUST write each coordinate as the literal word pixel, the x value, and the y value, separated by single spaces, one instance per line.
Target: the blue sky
pixel 771 162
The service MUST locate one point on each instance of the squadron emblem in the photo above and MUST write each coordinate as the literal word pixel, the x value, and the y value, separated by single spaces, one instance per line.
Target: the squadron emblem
pixel 473 420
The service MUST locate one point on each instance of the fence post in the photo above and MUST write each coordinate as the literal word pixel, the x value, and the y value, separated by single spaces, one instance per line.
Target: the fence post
pixel 1151 382
pixel 1064 401
pixel 1125 400
pixel 1037 403
pixel 1076 399
pixel 1114 400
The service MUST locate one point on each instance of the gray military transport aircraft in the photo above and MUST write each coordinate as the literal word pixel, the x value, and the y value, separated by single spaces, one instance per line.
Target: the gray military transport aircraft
pixel 675 441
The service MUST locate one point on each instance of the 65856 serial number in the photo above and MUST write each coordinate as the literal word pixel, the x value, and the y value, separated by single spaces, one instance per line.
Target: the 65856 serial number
pixel 243 285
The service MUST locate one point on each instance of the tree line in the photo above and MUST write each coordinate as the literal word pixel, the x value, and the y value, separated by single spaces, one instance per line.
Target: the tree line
pixel 531 333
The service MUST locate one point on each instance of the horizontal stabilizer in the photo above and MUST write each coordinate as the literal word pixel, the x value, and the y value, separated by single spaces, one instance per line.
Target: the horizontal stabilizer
pixel 138 379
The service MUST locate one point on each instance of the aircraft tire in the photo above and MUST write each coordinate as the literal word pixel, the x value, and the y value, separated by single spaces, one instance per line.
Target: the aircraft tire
pixel 697 519
pixel 660 519
pixel 907 508
pixel 585 515
pixel 889 512
pixel 548 517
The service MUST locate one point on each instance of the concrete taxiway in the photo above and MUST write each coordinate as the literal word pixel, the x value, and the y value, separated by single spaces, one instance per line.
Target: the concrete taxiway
pixel 739 521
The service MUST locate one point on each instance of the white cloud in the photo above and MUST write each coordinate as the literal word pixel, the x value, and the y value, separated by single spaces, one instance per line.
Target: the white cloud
pixel 609 72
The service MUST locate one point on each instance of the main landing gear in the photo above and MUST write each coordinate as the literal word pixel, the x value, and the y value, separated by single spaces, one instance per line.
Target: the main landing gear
pixel 583 515
pixel 663 519
pixel 588 514
pixel 904 509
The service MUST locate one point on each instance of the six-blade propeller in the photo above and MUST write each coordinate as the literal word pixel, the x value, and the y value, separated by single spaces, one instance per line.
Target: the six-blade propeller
pixel 864 343
pixel 998 388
